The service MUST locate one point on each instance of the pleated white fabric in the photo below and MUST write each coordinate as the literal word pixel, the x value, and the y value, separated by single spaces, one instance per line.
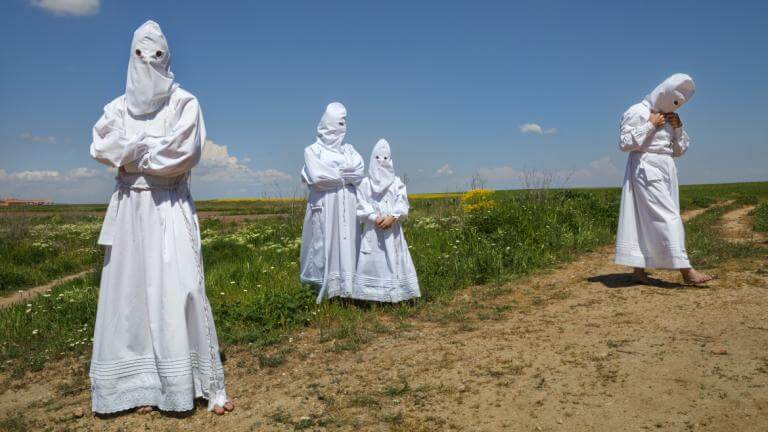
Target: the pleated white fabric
pixel 385 270
pixel 155 341
pixel 650 232
pixel 330 235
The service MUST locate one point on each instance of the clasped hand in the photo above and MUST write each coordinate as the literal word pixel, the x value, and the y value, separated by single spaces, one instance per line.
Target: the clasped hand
pixel 385 222
pixel 659 119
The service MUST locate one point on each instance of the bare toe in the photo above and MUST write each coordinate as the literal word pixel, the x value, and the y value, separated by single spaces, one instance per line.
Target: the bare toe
pixel 699 278
pixel 229 406
pixel 218 410
pixel 144 410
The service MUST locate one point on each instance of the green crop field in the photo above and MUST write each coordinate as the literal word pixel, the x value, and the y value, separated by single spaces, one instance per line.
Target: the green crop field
pixel 252 264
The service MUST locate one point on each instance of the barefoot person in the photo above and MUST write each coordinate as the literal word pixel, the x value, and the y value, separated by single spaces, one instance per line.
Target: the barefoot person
pixel 155 342
pixel 650 232
pixel 329 241
pixel 385 271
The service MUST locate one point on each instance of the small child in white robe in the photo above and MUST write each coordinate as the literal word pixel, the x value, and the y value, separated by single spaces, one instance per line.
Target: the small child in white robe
pixel 385 271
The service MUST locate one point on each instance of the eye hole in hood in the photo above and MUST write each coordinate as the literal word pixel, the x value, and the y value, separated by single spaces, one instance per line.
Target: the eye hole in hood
pixel 672 93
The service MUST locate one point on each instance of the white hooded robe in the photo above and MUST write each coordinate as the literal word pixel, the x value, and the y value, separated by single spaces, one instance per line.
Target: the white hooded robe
pixel 385 271
pixel 330 235
pixel 155 341
pixel 650 232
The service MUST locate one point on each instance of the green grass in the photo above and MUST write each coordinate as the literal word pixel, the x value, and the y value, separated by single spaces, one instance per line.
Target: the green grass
pixel 37 249
pixel 760 218
pixel 55 325
pixel 252 270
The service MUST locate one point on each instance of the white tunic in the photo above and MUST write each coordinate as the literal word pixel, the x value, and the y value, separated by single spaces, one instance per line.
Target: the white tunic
pixel 385 271
pixel 155 341
pixel 650 232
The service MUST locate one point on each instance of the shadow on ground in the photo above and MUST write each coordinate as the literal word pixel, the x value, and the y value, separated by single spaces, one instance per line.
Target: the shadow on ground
pixel 624 280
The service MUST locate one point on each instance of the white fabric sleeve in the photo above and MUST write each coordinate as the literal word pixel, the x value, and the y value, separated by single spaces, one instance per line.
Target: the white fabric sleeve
pixel 179 151
pixel 318 175
pixel 636 131
pixel 680 142
pixel 401 207
pixel 110 144
pixel 365 211
pixel 355 172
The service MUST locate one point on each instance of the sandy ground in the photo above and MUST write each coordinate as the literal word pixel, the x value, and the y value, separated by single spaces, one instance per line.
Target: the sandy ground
pixel 576 349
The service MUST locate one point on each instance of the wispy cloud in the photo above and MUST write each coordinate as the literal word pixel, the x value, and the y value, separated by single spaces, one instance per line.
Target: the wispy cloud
pixel 29 137
pixel 68 7
pixel 444 170
pixel 51 176
pixel 599 171
pixel 536 129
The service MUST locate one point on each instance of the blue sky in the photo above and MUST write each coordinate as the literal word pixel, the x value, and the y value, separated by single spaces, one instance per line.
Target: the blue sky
pixel 449 84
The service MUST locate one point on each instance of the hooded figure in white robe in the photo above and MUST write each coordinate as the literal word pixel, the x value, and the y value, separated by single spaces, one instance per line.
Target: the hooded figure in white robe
pixel 155 342
pixel 650 232
pixel 331 171
pixel 385 271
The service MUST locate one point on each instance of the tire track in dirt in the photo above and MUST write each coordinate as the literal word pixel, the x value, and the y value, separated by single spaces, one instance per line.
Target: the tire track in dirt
pixel 576 348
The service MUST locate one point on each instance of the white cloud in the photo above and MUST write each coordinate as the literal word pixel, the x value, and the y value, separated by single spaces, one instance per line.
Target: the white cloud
pixel 444 170
pixel 537 129
pixel 39 176
pixel 68 7
pixel 79 173
pixel 28 137
pixel 602 167
pixel 34 176
pixel 218 165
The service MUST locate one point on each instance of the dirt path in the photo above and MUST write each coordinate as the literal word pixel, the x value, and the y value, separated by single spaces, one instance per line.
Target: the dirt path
pixel 736 226
pixel 29 294
pixel 576 349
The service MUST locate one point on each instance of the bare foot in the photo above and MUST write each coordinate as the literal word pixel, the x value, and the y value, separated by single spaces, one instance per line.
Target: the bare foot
pixel 693 277
pixel 228 407
pixel 144 410
pixel 639 277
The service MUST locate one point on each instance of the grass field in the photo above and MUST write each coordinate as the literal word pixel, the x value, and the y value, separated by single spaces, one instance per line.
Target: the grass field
pixel 252 267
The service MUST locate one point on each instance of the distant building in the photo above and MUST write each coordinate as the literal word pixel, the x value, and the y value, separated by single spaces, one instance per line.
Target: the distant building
pixel 8 202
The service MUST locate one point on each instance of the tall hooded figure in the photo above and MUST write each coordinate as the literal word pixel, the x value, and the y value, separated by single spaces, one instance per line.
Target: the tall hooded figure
pixel 331 171
pixel 155 342
pixel 385 271
pixel 650 232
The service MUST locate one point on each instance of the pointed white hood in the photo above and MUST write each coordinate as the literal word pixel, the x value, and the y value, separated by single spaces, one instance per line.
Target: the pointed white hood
pixel 671 94
pixel 150 80
pixel 381 169
pixel 332 127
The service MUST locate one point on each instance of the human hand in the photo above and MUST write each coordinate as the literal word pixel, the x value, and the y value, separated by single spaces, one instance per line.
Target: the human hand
pixel 657 119
pixel 674 120
pixel 388 222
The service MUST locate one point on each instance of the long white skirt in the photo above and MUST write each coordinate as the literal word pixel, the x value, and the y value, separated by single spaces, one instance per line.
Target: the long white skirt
pixel 155 342
pixel 651 233
pixel 329 242
pixel 385 270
